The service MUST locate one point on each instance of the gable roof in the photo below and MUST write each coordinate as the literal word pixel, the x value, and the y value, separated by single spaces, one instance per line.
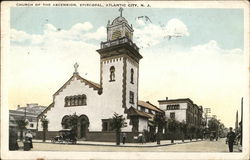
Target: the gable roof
pixel 91 84
pixel 134 112
pixel 46 110
pixel 149 106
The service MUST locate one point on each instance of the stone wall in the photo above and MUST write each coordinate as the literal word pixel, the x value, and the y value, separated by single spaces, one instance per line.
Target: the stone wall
pixel 93 136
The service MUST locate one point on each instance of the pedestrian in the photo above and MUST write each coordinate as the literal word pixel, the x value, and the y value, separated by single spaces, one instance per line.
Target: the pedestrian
pixel 123 138
pixel 13 145
pixel 29 138
pixel 140 138
pixel 230 138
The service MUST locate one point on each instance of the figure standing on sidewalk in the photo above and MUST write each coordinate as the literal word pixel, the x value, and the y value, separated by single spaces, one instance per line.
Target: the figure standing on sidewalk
pixel 230 139
pixel 29 137
pixel 123 138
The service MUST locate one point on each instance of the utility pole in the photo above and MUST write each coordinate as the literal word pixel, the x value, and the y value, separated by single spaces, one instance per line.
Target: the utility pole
pixel 207 110
pixel 24 113
pixel 241 126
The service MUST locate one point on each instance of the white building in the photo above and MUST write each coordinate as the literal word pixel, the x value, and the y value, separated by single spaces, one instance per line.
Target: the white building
pixel 182 110
pixel 31 118
pixel 95 103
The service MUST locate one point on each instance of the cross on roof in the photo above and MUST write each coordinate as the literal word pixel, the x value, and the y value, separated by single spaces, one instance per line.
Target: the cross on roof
pixel 76 66
pixel 120 10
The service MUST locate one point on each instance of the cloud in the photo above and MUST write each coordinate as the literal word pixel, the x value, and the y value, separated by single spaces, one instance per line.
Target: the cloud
pixel 18 36
pixel 207 73
pixel 176 28
pixel 98 35
pixel 81 27
pixel 140 22
pixel 53 35
pixel 150 34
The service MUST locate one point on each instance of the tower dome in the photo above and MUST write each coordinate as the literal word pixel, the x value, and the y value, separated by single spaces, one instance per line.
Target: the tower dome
pixel 119 20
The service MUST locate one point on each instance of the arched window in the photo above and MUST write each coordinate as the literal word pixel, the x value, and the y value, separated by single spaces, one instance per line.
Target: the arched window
pixel 76 100
pixel 84 100
pixel 80 100
pixel 132 76
pixel 112 73
pixel 66 101
pixel 71 101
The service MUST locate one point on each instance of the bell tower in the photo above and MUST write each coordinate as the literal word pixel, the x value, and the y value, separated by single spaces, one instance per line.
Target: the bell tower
pixel 119 64
pixel 119 28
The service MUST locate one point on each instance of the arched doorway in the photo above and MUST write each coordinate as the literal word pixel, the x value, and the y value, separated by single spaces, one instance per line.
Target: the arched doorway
pixel 83 125
pixel 65 122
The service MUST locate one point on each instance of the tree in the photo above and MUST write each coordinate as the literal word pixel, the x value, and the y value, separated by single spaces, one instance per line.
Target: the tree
pixel 183 128
pixel 213 126
pixel 192 131
pixel 21 124
pixel 172 126
pixel 73 122
pixel 117 123
pixel 159 121
pixel 45 123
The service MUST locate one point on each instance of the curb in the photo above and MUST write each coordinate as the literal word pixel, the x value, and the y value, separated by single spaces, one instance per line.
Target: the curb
pixel 113 145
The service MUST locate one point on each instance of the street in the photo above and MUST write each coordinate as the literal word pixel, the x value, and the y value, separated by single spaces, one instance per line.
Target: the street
pixel 194 146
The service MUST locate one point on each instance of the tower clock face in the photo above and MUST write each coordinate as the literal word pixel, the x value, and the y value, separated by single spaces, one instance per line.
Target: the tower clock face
pixel 116 34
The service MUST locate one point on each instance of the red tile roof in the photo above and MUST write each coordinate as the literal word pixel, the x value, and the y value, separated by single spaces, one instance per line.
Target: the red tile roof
pixel 134 112
pixel 149 106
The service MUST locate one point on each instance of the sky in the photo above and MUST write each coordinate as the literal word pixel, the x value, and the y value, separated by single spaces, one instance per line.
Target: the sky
pixel 187 53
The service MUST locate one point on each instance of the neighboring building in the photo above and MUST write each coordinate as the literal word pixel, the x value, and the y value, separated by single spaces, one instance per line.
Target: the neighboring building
pixel 182 110
pixel 32 108
pixel 117 92
pixel 29 113
pixel 150 110
pixel 31 118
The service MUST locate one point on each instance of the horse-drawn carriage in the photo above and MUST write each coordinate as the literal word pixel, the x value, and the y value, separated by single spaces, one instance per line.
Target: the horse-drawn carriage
pixel 65 136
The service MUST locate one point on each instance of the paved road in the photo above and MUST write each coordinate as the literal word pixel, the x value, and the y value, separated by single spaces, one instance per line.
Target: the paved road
pixel 199 146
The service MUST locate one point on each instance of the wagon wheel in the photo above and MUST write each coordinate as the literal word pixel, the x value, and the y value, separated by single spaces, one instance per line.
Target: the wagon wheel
pixel 53 140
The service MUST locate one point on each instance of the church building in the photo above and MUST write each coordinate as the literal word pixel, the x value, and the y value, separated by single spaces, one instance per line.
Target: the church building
pixel 95 103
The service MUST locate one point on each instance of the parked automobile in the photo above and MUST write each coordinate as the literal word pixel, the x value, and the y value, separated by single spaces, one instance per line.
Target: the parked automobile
pixel 65 136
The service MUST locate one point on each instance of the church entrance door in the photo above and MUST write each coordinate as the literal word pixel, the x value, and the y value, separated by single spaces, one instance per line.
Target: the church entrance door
pixel 83 124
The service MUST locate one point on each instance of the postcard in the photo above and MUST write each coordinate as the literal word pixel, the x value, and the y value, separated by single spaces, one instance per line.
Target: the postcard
pixel 125 80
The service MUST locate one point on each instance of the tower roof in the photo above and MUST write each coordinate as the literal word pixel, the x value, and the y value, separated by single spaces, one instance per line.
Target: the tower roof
pixel 119 20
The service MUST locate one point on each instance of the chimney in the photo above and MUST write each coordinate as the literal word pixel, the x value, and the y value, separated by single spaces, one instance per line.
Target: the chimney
pixel 166 98
pixel 147 101
pixel 18 106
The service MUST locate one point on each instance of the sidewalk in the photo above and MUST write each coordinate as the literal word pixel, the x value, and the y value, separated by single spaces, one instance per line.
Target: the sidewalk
pixel 148 144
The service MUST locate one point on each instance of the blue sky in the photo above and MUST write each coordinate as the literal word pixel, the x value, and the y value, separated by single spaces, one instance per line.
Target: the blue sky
pixel 223 25
pixel 205 63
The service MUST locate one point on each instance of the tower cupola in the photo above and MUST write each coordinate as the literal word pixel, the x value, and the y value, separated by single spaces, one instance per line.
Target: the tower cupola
pixel 119 28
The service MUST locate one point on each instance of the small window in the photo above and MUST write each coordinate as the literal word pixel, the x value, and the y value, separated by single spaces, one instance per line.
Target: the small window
pixel 142 109
pixel 106 124
pixel 150 111
pixel 31 125
pixel 112 73
pixel 132 76
pixel 131 97
pixel 172 115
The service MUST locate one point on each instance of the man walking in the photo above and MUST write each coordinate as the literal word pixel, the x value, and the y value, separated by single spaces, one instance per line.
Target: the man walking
pixel 230 139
